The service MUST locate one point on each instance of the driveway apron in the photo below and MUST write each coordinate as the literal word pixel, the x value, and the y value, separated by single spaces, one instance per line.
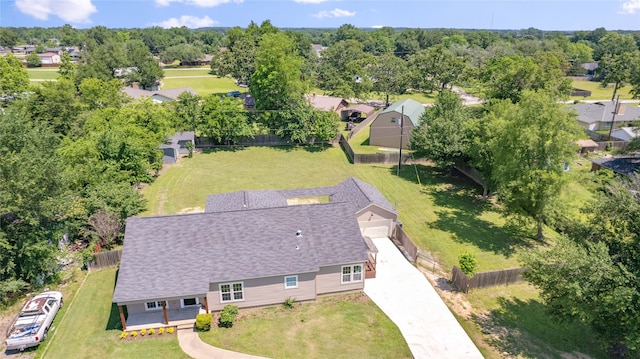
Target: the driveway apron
pixel 410 301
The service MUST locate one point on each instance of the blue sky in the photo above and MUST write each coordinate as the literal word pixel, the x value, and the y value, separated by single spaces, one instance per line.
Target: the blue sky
pixel 467 14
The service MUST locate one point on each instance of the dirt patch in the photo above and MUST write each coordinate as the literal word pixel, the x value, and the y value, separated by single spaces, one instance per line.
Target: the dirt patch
pixel 191 210
pixel 575 355
pixel 455 300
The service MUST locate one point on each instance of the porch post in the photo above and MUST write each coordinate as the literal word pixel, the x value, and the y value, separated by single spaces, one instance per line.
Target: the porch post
pixel 164 311
pixel 122 320
pixel 206 304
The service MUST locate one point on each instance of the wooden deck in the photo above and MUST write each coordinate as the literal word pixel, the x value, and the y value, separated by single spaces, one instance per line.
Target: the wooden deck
pixel 370 269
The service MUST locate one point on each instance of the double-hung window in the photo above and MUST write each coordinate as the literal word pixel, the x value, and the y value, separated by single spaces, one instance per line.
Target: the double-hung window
pixel 155 305
pixel 189 302
pixel 231 292
pixel 352 273
pixel 291 281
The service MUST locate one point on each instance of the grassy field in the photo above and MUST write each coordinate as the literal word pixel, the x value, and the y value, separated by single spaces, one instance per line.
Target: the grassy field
pixel 341 326
pixel 600 93
pixel 43 74
pixel 195 71
pixel 90 326
pixel 203 85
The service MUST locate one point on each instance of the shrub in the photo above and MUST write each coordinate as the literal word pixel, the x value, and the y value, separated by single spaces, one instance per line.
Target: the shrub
pixel 170 330
pixel 203 322
pixel 468 264
pixel 143 332
pixel 134 334
pixel 161 331
pixel 227 316
pixel 289 303
pixel 152 331
pixel 123 335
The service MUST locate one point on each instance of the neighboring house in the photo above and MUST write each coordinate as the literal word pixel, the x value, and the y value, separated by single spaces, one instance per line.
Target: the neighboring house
pixel 4 51
pixel 176 146
pixel 587 146
pixel 624 165
pixel 318 49
pixel 327 103
pixel 49 58
pixel 590 67
pixel 600 115
pixel 385 129
pixel 251 248
pixel 157 96
pixel 206 60
pixel 625 133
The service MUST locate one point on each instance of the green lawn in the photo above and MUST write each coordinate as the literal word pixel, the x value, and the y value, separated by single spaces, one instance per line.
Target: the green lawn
pixel 90 325
pixel 43 73
pixel 442 214
pixel 340 326
pixel 526 330
pixel 203 85
pixel 598 92
pixel 194 71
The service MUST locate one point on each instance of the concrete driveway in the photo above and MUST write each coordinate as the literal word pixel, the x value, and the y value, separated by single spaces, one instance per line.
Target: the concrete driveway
pixel 408 298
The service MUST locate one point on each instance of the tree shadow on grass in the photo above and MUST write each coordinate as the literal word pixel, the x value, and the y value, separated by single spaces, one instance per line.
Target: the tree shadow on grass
pixel 223 149
pixel 462 210
pixel 524 328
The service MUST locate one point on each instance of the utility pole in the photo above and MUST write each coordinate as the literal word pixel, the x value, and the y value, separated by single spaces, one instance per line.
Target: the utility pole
pixel 613 119
pixel 401 130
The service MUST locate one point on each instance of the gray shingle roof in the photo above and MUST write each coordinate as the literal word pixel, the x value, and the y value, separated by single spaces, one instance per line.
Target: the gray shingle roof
pixel 625 165
pixel 412 109
pixel 602 111
pixel 173 256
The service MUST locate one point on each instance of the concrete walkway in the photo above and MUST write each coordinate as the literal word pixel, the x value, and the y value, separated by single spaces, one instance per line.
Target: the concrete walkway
pixel 191 344
pixel 410 301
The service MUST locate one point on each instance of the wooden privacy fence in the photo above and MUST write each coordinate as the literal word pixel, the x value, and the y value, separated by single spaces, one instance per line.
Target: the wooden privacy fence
pixel 486 279
pixel 105 259
pixel 359 158
pixel 405 244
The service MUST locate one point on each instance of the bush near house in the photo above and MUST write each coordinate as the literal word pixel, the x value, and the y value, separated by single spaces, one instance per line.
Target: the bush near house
pixel 203 322
pixel 227 316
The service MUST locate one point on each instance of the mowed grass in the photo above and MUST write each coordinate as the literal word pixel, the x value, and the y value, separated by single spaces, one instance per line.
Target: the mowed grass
pixel 526 330
pixel 203 85
pixel 194 71
pixel 337 326
pixel 43 73
pixel 442 214
pixel 91 327
pixel 600 93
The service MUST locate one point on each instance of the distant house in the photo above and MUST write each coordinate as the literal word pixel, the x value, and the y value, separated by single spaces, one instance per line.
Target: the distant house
pixel 4 51
pixel 327 103
pixel 385 129
pixel 158 96
pixel 624 165
pixel 590 67
pixel 586 146
pixel 600 115
pixel 317 48
pixel 251 248
pixel 360 111
pixel 206 60
pixel 49 58
pixel 625 133
pixel 176 146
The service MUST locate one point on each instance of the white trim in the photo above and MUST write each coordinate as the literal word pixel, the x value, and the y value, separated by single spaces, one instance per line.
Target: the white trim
pixel 182 305
pixel 352 274
pixel 231 292
pixel 158 305
pixel 292 286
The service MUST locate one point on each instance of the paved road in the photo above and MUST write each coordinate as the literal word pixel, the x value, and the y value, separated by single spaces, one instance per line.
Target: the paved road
pixel 409 299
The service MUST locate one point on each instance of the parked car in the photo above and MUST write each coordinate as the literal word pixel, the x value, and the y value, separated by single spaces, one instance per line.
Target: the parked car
pixel 32 325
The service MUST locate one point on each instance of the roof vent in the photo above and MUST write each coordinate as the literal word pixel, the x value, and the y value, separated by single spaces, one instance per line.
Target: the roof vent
pixel 298 233
pixel 297 247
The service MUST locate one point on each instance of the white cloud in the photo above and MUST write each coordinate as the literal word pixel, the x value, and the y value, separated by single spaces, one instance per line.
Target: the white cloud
pixel 198 3
pixel 309 1
pixel 191 22
pixel 377 26
pixel 73 11
pixel 630 6
pixel 334 13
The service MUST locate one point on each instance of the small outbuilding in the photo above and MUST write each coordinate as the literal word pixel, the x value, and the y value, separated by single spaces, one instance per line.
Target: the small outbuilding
pixel 399 118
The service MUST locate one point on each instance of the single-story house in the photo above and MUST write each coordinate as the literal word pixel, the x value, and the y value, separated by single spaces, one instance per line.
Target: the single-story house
pixel 49 58
pixel 251 248
pixel 625 133
pixel 327 103
pixel 176 146
pixel 600 115
pixel 586 146
pixel 590 67
pixel 385 129
pixel 624 165
pixel 157 96
pixel 362 111
pixel 318 48
pixel 206 60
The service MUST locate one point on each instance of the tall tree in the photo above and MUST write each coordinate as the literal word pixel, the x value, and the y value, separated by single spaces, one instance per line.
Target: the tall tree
pixel 619 69
pixel 146 69
pixel 531 143
pixel 390 75
pixel 440 136
pixel 435 68
pixel 225 119
pixel 13 76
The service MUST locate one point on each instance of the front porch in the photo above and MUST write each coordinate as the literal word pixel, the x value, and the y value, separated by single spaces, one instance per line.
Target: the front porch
pixel 156 319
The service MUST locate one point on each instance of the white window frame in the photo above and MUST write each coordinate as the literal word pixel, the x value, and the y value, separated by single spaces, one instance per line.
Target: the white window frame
pixel 182 305
pixel 290 286
pixel 231 292
pixel 158 305
pixel 353 276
